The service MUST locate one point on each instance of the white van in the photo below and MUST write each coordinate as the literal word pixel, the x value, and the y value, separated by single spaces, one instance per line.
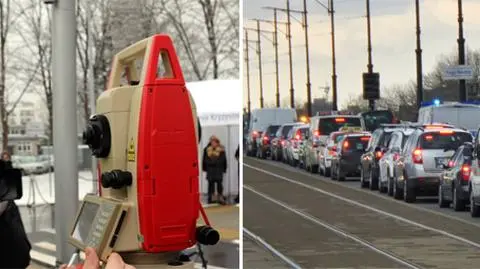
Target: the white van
pixel 260 119
pixel 466 116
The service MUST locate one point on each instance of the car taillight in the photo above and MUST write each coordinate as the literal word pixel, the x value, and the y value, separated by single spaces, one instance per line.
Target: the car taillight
pixel 378 154
pixel 466 170
pixel 282 142
pixel 365 138
pixel 254 134
pixel 266 139
pixel 345 145
pixel 450 164
pixel 316 133
pixel 417 156
pixel 297 137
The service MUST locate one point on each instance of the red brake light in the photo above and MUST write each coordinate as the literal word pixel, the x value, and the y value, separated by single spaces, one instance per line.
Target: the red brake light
pixel 317 133
pixel 428 137
pixel 334 148
pixel 417 156
pixel 345 145
pixel 255 133
pixel 450 164
pixel 446 132
pixel 297 137
pixel 365 138
pixel 466 172
pixel 378 155
pixel 265 138
pixel 339 119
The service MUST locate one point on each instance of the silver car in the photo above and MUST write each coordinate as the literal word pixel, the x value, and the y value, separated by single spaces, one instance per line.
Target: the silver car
pixel 391 154
pixel 421 163
pixel 295 140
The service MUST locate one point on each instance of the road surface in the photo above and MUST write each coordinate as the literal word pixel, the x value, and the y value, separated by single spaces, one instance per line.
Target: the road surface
pixel 314 222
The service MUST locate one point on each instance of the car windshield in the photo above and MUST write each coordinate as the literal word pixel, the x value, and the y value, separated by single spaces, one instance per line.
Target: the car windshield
pixel 373 119
pixel 330 125
pixel 444 140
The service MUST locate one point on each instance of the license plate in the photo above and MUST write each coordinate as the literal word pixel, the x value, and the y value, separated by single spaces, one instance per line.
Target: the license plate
pixel 439 162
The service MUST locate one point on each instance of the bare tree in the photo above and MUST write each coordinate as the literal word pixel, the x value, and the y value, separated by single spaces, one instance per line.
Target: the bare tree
pixel 35 31
pixel 210 51
pixel 9 22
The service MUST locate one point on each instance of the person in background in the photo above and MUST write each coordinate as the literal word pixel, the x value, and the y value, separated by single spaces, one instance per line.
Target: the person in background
pixel 237 199
pixel 215 165
pixel 14 245
pixel 7 159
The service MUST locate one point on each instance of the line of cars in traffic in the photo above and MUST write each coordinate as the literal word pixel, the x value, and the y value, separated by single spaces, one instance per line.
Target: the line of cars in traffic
pixel 404 160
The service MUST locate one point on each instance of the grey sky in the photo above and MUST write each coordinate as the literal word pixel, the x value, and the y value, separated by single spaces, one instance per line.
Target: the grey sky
pixel 393 34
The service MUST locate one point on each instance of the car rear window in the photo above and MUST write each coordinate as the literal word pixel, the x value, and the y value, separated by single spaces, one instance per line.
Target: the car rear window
pixel 358 143
pixel 384 139
pixel 444 139
pixel 286 129
pixel 271 130
pixel 330 125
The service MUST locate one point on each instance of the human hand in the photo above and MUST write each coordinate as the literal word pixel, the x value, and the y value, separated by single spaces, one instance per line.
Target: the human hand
pixel 92 261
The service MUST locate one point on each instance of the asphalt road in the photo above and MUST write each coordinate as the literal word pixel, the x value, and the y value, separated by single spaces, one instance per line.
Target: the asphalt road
pixel 315 222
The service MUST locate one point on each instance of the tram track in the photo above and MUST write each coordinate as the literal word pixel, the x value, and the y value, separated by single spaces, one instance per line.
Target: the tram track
pixel 400 239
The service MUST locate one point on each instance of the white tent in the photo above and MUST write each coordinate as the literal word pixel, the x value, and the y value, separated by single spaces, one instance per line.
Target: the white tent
pixel 218 107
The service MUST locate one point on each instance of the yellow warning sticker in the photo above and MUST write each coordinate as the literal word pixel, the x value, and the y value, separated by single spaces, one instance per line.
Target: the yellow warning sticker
pixel 131 151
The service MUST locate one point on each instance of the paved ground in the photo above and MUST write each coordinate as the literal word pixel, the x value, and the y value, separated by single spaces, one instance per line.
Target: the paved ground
pixel 39 221
pixel 258 257
pixel 319 223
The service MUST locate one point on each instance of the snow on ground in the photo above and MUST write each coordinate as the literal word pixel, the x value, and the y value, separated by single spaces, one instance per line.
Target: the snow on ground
pixel 44 188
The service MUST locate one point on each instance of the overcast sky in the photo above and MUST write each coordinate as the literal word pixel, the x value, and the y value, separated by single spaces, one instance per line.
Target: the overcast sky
pixel 393 38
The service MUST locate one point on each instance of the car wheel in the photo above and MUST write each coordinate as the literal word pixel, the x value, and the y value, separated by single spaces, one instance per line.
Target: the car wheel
pixel 397 193
pixel 314 168
pixel 389 186
pixel 333 172
pixel 442 203
pixel 340 177
pixel 363 184
pixel 408 193
pixel 373 182
pixel 474 208
pixel 458 204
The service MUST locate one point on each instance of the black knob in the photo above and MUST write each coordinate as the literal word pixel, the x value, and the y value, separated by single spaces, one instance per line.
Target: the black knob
pixel 97 136
pixel 116 179
pixel 206 235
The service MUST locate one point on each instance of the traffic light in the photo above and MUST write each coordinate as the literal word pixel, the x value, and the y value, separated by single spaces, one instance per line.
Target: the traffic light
pixel 371 86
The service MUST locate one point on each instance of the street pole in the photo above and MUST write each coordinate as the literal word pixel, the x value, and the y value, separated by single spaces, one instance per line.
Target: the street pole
pixel 92 95
pixel 248 73
pixel 65 127
pixel 371 102
pixel 307 57
pixel 331 10
pixel 418 52
pixel 461 51
pixel 275 44
pixel 259 53
pixel 289 37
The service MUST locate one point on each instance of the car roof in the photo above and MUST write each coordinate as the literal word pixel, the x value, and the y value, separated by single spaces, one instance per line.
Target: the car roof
pixel 357 134
pixel 455 130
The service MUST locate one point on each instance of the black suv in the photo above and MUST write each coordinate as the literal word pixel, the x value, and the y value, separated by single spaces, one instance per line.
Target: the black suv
pixel 347 160
pixel 264 147
pixel 370 171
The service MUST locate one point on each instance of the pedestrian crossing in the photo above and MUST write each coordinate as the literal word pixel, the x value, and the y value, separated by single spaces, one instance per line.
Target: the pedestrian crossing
pixel 43 252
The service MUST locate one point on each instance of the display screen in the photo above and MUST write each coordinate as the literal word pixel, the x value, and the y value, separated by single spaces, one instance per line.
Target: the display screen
pixel 85 221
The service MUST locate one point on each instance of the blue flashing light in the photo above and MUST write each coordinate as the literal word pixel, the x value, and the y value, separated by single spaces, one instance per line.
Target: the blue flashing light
pixel 436 102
